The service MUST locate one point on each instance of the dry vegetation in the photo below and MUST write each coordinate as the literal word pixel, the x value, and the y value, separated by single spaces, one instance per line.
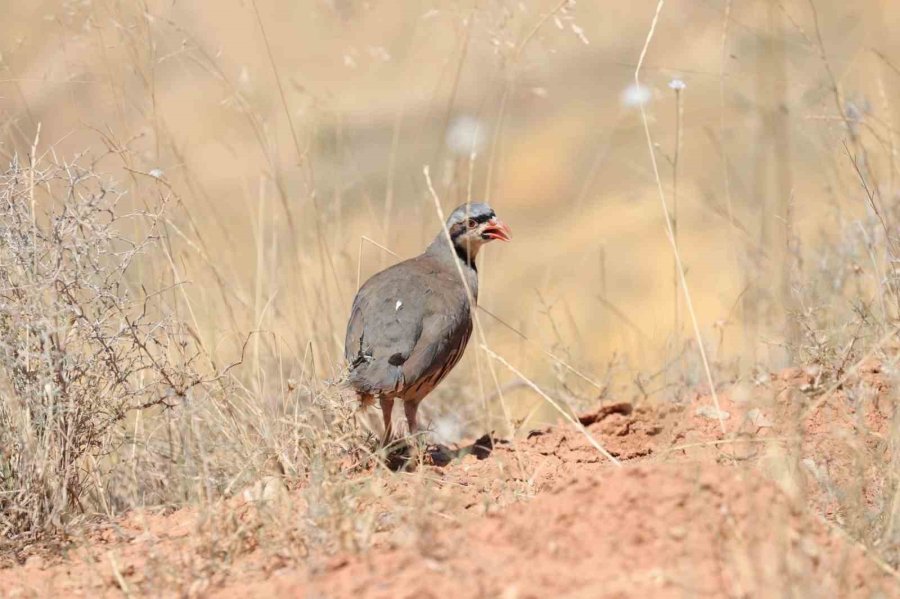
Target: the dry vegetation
pixel 706 269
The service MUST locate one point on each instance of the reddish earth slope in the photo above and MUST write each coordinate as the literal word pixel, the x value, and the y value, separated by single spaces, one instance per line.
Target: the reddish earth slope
pixel 690 513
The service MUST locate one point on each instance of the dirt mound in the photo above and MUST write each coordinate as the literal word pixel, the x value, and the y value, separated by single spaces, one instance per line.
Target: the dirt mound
pixel 760 510
pixel 660 530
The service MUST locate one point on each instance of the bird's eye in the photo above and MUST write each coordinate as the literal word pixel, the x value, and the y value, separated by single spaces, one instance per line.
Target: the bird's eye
pixel 471 223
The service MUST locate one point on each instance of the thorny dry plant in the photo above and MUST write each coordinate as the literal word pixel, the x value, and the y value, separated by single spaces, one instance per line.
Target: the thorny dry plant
pixel 85 339
pixel 109 401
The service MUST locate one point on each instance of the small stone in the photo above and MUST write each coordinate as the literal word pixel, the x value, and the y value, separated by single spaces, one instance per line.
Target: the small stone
pixel 712 413
pixel 791 373
pixel 510 592
pixel 758 419
pixel 268 488
pixel 145 537
pixel 810 548
pixel 741 393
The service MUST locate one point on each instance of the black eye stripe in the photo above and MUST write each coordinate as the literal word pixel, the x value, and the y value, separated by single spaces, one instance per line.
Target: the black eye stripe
pixel 462 217
pixel 482 218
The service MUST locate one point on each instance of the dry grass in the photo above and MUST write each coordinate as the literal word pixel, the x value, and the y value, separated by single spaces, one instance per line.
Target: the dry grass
pixel 83 344
pixel 172 300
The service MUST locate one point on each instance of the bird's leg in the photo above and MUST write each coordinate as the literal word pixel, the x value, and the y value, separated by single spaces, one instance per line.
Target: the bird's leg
pixel 387 408
pixel 410 408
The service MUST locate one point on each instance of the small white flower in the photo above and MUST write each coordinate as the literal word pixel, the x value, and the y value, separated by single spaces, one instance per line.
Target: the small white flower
pixel 466 135
pixel 636 95
pixel 398 305
pixel 156 173
pixel 677 84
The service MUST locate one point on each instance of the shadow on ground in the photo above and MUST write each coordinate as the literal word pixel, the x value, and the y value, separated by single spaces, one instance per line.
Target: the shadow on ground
pixel 404 455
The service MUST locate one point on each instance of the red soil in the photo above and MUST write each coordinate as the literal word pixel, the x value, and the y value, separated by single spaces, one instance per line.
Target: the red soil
pixel 758 512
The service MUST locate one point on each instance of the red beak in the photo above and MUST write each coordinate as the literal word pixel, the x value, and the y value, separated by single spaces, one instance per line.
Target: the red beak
pixel 497 229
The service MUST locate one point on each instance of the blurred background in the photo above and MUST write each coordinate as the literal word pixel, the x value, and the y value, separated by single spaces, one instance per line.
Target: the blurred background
pixel 294 136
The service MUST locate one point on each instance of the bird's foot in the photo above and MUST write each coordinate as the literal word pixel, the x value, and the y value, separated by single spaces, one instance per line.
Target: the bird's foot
pixel 403 454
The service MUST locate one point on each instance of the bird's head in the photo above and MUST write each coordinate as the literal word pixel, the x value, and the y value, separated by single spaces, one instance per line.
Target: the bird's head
pixel 473 225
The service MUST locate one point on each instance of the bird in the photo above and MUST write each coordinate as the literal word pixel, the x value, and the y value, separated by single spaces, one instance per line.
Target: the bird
pixel 410 323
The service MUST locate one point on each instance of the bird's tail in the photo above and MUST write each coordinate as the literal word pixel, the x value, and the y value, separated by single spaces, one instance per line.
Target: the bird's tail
pixel 345 388
pixel 375 378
